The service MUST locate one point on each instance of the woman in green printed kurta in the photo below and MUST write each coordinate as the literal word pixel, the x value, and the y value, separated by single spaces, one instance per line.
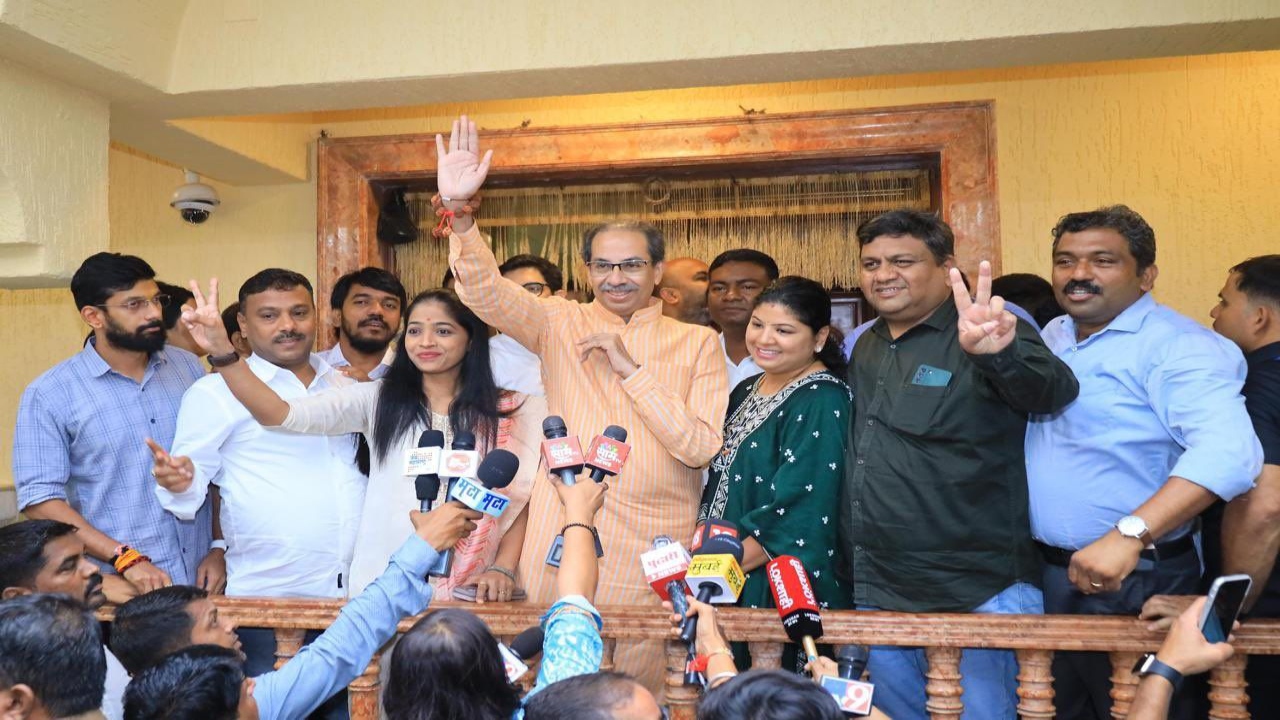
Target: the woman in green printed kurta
pixel 778 477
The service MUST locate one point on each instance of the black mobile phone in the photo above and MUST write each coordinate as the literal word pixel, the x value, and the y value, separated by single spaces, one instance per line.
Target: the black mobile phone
pixel 1226 598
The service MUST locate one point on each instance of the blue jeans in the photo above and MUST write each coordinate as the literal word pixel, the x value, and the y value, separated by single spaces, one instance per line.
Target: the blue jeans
pixel 989 677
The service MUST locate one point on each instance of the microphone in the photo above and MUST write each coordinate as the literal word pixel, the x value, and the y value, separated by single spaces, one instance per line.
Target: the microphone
pixel 459 463
pixel 850 693
pixel 608 453
pixel 664 565
pixel 496 472
pixel 709 528
pixel 796 603
pixel 852 660
pixel 526 646
pixel 561 451
pixel 715 571
pixel 426 459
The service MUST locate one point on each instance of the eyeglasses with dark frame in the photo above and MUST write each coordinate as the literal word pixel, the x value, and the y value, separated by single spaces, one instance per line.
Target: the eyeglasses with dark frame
pixel 136 305
pixel 600 268
pixel 534 288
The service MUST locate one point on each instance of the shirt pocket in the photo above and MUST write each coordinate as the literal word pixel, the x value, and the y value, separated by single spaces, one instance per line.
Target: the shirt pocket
pixel 915 409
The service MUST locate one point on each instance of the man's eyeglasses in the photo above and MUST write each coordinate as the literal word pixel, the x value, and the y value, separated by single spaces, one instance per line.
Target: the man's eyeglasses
pixel 600 268
pixel 136 305
pixel 534 288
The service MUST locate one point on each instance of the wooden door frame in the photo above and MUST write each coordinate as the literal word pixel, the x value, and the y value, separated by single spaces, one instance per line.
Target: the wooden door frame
pixel 960 137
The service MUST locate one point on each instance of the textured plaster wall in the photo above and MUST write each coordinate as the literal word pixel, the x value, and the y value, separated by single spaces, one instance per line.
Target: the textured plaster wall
pixel 53 177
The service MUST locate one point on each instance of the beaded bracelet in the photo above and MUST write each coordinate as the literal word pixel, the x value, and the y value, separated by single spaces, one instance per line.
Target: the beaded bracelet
pixel 501 571
pixel 126 557
pixel 445 226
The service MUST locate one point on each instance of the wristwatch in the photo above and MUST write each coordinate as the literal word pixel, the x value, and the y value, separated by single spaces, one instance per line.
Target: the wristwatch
pixel 1149 665
pixel 1132 526
pixel 223 360
pixel 218 545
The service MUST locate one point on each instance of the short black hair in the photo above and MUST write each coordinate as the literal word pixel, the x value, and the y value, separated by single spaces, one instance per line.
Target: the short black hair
pixel 53 645
pixel 178 296
pixel 273 279
pixel 652 236
pixel 370 277
pixel 769 695
pixel 926 227
pixel 582 697
pixel 1260 279
pixel 231 318
pixel 201 682
pixel 1029 292
pixel 746 255
pixel 104 274
pixel 448 278
pixel 151 626
pixel 22 550
pixel 1131 226
pixel 551 274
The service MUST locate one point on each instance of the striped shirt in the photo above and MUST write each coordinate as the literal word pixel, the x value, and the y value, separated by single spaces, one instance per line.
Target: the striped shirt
pixel 79 438
pixel 673 408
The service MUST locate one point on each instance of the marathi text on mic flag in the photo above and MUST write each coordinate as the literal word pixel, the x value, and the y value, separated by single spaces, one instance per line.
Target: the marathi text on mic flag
pixel 607 454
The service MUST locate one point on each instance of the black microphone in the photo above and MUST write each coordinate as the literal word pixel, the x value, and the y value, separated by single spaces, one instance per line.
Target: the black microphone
pixel 562 451
pixel 461 453
pixel 428 486
pixel 607 453
pixel 528 644
pixel 852 660
pixel 716 572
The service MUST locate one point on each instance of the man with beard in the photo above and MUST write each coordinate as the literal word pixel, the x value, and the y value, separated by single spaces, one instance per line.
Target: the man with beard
pixel 78 452
pixel 683 290
pixel 734 281
pixel 366 306
pixel 47 556
pixel 1159 431
pixel 614 361
pixel 290 502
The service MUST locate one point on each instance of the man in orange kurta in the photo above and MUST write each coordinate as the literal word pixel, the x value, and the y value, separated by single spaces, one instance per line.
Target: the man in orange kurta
pixel 614 361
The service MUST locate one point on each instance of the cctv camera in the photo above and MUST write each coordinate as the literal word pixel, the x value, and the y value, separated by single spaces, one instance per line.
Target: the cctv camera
pixel 195 201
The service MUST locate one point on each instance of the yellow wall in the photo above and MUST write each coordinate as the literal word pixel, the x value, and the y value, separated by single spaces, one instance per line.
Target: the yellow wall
pixel 1189 142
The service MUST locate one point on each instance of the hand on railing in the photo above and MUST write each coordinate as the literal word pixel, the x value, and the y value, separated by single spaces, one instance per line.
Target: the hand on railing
pixel 444 526
pixel 1162 610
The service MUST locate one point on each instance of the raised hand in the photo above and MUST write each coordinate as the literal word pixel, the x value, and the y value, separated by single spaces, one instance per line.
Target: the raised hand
pixel 205 322
pixel 985 326
pixel 460 169
pixel 174 474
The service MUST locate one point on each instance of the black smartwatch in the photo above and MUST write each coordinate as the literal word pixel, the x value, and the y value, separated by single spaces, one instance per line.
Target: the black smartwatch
pixel 1149 665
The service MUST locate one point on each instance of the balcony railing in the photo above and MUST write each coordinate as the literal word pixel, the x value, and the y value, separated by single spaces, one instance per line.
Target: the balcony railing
pixel 1033 637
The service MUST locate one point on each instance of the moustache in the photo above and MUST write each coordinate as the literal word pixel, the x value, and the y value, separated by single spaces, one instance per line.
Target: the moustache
pixel 625 286
pixel 156 325
pixel 1081 285
pixel 95 586
pixel 373 322
pixel 287 336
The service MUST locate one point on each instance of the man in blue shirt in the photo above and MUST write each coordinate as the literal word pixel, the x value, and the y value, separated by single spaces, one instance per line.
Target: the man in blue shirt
pixel 78 452
pixel 1158 432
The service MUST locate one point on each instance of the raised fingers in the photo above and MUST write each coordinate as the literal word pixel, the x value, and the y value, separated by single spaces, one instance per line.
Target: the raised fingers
pixel 960 290
pixel 984 283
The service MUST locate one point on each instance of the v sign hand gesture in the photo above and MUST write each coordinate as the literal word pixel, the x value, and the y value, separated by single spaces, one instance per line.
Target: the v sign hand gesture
pixel 205 322
pixel 985 326
pixel 460 171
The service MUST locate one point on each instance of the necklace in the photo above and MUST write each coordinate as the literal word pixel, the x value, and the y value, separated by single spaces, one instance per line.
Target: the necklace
pixel 799 374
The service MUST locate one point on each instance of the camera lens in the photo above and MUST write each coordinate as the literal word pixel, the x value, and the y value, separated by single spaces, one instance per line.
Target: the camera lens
pixel 195 215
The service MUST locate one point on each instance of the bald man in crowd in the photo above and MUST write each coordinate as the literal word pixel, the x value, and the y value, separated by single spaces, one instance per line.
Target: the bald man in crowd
pixel 683 290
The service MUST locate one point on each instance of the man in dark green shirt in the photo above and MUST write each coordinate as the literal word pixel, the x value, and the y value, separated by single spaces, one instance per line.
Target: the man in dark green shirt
pixel 935 515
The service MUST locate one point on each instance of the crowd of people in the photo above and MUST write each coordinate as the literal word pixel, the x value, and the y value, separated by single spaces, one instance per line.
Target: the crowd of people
pixel 1010 445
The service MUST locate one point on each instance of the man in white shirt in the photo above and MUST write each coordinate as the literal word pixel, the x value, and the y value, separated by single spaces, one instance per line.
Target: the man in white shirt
pixel 366 307
pixel 514 367
pixel 291 503
pixel 736 279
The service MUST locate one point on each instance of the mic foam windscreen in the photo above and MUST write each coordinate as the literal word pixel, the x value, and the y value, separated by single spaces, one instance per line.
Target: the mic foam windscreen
pixel 614 432
pixel 431 438
pixel 464 440
pixel 498 469
pixel 528 643
pixel 793 595
pixel 710 528
pixel 554 427
pixel 722 545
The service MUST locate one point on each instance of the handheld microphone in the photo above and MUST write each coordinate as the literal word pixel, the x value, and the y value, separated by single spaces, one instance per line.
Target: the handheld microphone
pixel 664 565
pixel 496 472
pixel 561 451
pixel 796 603
pixel 526 646
pixel 709 528
pixel 850 693
pixel 427 485
pixel 458 463
pixel 852 660
pixel 715 571
pixel 608 453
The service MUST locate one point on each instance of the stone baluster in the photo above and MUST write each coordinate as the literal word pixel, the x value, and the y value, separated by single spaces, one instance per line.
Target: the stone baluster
pixel 606 659
pixel 682 700
pixel 1227 695
pixel 766 655
pixel 943 690
pixel 288 643
pixel 365 692
pixel 1124 684
pixel 1035 683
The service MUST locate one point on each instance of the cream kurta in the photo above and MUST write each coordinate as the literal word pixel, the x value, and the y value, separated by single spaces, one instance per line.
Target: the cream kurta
pixel 673 408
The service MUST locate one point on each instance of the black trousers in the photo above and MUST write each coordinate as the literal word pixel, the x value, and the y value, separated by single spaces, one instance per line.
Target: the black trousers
pixel 1082 680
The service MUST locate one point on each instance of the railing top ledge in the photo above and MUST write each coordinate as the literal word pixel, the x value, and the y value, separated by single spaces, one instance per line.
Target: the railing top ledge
pixel 1033 632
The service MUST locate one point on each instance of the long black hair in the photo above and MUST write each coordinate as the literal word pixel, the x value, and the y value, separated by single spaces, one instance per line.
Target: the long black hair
pixel 402 402
pixel 810 302
pixel 447 667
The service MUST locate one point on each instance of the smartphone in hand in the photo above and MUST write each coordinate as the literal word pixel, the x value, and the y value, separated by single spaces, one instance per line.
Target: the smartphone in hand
pixel 1226 598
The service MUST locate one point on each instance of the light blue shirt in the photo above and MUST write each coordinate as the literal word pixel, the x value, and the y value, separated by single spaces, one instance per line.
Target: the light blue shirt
pixel 79 438
pixel 571 644
pixel 343 651
pixel 1159 397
